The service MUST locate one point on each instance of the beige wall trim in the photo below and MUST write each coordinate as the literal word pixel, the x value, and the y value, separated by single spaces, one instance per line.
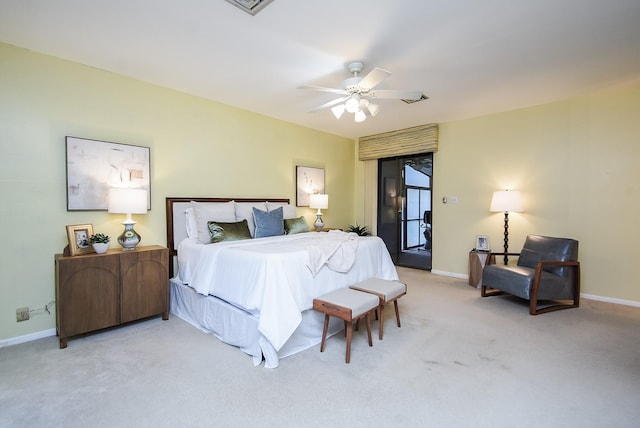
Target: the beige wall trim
pixel 408 141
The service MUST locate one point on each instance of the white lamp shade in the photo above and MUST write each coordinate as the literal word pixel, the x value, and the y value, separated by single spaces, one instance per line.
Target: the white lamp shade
pixel 319 201
pixel 373 109
pixel 360 116
pixel 506 201
pixel 127 201
pixel 338 110
pixel 353 104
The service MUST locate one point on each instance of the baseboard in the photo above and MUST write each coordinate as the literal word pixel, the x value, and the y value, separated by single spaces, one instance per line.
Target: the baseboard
pixel 451 274
pixel 610 300
pixel 27 337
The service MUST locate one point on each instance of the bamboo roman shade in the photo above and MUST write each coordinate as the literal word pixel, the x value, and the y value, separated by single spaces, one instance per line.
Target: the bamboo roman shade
pixel 409 141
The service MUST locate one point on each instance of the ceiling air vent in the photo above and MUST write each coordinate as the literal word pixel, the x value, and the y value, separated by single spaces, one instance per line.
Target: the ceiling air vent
pixel 423 97
pixel 250 6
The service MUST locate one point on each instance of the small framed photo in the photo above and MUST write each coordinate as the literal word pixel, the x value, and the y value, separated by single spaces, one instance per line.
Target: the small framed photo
pixel 482 243
pixel 78 235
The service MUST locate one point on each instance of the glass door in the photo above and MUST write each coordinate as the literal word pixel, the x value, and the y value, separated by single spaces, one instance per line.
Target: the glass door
pixel 404 209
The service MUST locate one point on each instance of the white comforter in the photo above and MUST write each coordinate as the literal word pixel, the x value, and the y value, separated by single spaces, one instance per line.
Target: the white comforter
pixel 273 277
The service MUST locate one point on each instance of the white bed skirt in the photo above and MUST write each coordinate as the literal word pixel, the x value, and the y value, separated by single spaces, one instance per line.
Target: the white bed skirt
pixel 240 328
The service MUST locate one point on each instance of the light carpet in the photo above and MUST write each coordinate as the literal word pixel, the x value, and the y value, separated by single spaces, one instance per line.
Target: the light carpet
pixel 458 360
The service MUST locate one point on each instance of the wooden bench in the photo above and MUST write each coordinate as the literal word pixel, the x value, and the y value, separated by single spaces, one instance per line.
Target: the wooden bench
pixel 386 291
pixel 348 305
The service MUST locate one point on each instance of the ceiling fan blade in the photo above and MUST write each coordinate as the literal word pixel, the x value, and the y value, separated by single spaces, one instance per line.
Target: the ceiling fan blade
pixel 323 89
pixel 396 95
pixel 374 77
pixel 329 104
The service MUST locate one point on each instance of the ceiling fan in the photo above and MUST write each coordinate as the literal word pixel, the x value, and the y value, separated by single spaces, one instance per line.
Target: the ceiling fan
pixel 358 95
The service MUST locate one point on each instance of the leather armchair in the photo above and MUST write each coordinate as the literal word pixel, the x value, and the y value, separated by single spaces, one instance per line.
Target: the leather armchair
pixel 547 270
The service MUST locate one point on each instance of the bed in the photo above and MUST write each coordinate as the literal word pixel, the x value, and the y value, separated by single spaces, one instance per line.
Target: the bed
pixel 257 293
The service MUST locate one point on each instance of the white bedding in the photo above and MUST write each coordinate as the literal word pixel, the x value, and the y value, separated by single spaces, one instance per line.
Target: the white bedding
pixel 270 277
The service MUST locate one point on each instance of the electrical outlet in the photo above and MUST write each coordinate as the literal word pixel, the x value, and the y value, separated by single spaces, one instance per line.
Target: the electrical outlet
pixel 22 314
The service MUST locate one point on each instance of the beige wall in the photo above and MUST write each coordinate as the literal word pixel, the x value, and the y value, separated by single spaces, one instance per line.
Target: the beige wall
pixel 576 163
pixel 198 148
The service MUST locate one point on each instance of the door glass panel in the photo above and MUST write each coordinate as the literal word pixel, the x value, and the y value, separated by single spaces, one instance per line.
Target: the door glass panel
pixel 413 233
pixel 413 177
pixel 413 204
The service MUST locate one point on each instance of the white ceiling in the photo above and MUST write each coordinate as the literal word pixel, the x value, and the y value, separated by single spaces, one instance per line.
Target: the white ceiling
pixel 470 57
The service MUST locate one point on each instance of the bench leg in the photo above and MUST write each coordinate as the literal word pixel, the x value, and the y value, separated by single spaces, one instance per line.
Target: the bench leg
pixel 324 332
pixel 381 321
pixel 349 336
pixel 368 319
pixel 395 305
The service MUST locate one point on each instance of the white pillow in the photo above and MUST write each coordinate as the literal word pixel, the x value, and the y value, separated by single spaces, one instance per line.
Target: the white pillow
pixel 288 210
pixel 191 223
pixel 211 211
pixel 244 211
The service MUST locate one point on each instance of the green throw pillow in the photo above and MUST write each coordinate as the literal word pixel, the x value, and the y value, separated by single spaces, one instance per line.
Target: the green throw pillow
pixel 220 231
pixel 295 225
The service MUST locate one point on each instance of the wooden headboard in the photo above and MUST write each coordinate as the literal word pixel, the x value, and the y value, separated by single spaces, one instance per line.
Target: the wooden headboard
pixel 176 222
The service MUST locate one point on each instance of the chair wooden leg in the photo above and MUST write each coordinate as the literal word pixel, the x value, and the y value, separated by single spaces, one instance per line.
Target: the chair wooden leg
pixel 395 306
pixel 324 332
pixel 349 336
pixel 484 291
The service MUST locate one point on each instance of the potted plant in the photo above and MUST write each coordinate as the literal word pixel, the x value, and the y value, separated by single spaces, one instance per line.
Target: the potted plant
pixel 100 242
pixel 359 230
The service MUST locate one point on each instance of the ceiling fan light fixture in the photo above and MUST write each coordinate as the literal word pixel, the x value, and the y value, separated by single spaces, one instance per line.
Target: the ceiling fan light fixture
pixel 353 104
pixel 338 110
pixel 374 109
pixel 360 116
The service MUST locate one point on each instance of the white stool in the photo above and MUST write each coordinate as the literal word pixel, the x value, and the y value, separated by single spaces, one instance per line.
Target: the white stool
pixel 386 291
pixel 348 305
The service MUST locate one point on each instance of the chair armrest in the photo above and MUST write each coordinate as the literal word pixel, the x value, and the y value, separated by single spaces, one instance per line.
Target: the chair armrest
pixel 491 258
pixel 558 263
pixel 544 263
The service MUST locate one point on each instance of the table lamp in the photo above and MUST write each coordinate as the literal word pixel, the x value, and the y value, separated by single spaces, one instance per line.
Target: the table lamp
pixel 128 201
pixel 319 201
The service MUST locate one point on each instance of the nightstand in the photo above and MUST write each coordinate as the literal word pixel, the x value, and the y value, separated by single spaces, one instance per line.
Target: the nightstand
pixel 477 261
pixel 97 291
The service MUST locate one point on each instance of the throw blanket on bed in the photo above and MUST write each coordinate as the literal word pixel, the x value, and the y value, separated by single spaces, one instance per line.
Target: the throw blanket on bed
pixel 336 249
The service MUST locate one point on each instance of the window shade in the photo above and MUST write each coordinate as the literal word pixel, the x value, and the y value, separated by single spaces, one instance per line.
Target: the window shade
pixel 408 141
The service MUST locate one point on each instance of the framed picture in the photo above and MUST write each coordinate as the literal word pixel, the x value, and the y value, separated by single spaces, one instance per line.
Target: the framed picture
pixel 482 243
pixel 308 180
pixel 95 166
pixel 78 236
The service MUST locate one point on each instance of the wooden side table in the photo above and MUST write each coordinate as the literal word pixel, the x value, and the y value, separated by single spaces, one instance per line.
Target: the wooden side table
pixel 477 261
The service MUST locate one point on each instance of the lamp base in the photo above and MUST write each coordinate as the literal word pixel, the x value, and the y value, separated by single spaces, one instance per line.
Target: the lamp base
pixel 319 224
pixel 129 238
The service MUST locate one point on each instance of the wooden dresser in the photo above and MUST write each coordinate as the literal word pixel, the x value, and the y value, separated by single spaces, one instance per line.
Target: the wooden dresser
pixel 96 291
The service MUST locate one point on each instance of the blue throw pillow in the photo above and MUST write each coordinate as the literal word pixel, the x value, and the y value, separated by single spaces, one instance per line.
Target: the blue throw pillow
pixel 268 223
